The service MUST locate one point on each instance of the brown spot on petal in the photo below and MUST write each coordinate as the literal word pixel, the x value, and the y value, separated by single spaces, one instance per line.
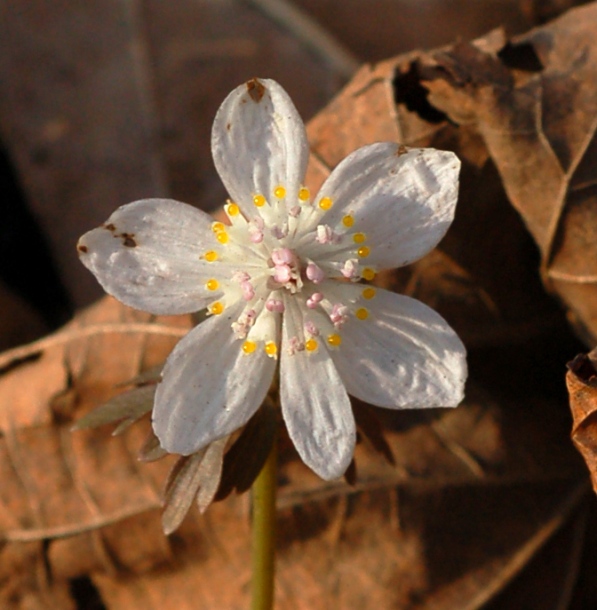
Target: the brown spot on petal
pixel 402 150
pixel 82 248
pixel 110 227
pixel 128 240
pixel 256 90
pixel 228 126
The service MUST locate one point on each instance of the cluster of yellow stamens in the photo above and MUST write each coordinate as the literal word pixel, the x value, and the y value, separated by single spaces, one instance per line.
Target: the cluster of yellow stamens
pixel 311 343
pixel 219 228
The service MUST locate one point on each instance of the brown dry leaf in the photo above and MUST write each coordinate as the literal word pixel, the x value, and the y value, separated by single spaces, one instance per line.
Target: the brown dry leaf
pixel 581 381
pixel 82 492
pixel 533 101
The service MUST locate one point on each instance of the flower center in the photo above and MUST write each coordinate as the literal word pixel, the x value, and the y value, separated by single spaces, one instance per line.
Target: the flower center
pixel 286 270
pixel 286 252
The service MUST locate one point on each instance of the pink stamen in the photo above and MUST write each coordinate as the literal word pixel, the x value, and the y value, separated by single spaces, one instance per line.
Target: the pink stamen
pixel 278 232
pixel 241 276
pixel 256 230
pixel 314 300
pixel 350 269
pixel 243 324
pixel 326 235
pixel 282 274
pixel 314 273
pixel 311 329
pixel 295 346
pixel 255 235
pixel 275 305
pixel 248 290
pixel 283 256
pixel 339 315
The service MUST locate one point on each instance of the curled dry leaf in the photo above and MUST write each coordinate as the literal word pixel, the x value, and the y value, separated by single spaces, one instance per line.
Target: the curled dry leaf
pixel 533 102
pixel 77 502
pixel 581 381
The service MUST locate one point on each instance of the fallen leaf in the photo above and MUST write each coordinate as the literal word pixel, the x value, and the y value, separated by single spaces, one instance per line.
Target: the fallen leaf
pixel 533 101
pixel 581 381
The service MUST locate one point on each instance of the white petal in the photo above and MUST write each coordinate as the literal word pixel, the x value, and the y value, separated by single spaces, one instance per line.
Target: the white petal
pixel 148 255
pixel 258 143
pixel 209 387
pixel 403 356
pixel 403 201
pixel 315 405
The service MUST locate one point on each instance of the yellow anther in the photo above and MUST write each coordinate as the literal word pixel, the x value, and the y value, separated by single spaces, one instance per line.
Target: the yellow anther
pixel 249 347
pixel 325 203
pixel 211 256
pixel 216 308
pixel 359 238
pixel 258 200
pixel 311 345
pixel 334 340
pixel 217 227
pixel 348 221
pixel 368 274
pixel 212 284
pixel 369 293
pixel 279 192
pixel 271 349
pixel 364 251
pixel 361 313
pixel 304 194
pixel 232 209
pixel 222 237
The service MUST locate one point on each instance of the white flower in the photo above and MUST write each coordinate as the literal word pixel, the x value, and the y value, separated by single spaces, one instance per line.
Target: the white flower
pixel 282 284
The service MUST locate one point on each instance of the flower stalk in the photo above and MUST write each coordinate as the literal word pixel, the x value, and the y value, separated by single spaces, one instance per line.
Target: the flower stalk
pixel 264 532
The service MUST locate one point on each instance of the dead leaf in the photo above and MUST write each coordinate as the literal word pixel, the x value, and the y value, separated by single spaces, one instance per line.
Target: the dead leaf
pixel 82 491
pixel 581 381
pixel 534 103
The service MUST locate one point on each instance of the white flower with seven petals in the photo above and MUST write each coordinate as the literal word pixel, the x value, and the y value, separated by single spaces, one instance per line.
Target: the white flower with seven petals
pixel 282 284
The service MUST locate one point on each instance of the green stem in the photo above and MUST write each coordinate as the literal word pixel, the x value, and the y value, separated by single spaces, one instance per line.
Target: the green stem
pixel 264 533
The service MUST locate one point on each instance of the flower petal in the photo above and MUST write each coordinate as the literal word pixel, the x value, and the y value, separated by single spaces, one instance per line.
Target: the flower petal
pixel 258 143
pixel 209 387
pixel 315 405
pixel 402 201
pixel 404 355
pixel 148 255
